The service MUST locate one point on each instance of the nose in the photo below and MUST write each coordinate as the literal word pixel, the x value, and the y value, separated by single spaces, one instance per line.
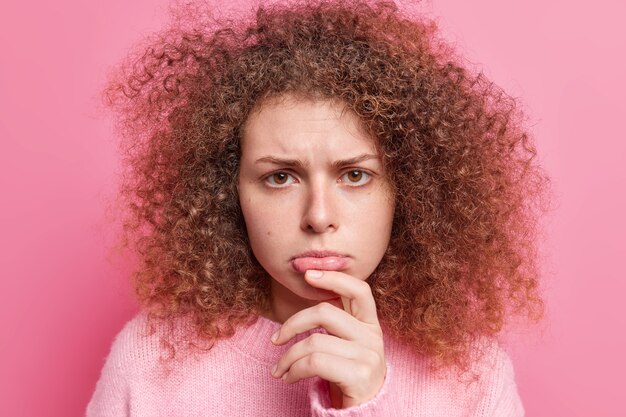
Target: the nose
pixel 320 211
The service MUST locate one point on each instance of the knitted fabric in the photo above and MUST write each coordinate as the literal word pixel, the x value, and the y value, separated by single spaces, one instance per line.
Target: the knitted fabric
pixel 233 379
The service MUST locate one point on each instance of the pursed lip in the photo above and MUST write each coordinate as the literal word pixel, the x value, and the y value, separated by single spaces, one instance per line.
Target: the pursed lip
pixel 319 254
pixel 326 260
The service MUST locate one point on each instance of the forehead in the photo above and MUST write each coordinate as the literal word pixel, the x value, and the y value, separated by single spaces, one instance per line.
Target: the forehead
pixel 290 125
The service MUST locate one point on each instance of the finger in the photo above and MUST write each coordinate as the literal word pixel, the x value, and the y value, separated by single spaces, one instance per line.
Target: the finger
pixel 346 305
pixel 327 366
pixel 318 342
pixel 358 294
pixel 333 319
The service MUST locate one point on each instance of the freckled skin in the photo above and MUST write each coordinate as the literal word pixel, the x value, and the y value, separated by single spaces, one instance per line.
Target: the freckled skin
pixel 315 206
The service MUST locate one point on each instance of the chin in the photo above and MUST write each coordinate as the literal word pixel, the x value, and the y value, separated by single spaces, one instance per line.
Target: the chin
pixel 311 293
pixel 320 295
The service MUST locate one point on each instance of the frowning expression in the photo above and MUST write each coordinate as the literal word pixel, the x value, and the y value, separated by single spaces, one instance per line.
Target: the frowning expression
pixel 311 184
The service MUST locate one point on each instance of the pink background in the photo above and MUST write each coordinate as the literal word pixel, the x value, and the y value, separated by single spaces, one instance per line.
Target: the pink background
pixel 64 297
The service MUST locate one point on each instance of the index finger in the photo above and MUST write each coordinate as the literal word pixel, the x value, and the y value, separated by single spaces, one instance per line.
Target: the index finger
pixel 356 294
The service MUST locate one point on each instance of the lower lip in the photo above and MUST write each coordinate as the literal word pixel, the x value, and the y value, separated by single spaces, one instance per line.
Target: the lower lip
pixel 328 263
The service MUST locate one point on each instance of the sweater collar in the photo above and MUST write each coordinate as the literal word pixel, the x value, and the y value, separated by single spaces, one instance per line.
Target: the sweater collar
pixel 254 340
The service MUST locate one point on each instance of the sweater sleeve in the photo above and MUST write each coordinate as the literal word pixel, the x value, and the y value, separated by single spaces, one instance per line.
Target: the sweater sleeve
pixel 111 394
pixel 382 405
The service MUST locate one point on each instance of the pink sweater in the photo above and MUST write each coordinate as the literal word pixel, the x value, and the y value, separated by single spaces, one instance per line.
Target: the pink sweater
pixel 233 379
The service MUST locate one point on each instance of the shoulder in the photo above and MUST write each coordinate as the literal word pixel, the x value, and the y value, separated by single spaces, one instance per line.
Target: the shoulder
pixel 487 356
pixel 486 386
pixel 127 340
pixel 497 389
pixel 492 361
pixel 136 345
pixel 132 329
pixel 133 333
pixel 489 365
pixel 112 391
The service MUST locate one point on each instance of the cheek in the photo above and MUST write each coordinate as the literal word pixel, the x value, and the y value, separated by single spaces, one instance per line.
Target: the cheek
pixel 267 239
pixel 378 209
pixel 263 227
pixel 263 224
pixel 255 221
pixel 378 221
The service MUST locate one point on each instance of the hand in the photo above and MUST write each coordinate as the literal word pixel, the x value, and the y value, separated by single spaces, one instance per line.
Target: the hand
pixel 351 356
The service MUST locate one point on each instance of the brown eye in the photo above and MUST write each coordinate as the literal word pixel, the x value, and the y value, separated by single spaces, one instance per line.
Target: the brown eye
pixel 278 178
pixel 356 177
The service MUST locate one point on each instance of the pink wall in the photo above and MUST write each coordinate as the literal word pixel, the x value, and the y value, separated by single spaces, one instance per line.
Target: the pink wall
pixel 63 299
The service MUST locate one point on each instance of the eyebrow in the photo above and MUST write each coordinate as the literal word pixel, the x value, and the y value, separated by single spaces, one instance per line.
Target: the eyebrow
pixel 299 163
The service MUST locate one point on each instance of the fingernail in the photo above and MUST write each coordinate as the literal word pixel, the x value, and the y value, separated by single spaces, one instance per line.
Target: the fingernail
pixel 274 369
pixel 275 336
pixel 314 274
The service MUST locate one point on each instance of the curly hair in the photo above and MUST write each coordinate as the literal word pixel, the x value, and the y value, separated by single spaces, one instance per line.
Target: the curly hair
pixel 462 256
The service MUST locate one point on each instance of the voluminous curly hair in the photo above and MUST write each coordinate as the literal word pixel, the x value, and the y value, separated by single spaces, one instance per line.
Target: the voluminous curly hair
pixel 462 255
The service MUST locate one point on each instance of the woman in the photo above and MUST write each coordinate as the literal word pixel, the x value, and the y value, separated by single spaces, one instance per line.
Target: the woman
pixel 329 172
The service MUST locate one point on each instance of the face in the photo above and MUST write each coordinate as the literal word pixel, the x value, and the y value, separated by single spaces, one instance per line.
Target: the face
pixel 312 181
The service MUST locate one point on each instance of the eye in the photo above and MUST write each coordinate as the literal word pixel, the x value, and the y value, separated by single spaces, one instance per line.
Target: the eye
pixel 278 179
pixel 356 177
